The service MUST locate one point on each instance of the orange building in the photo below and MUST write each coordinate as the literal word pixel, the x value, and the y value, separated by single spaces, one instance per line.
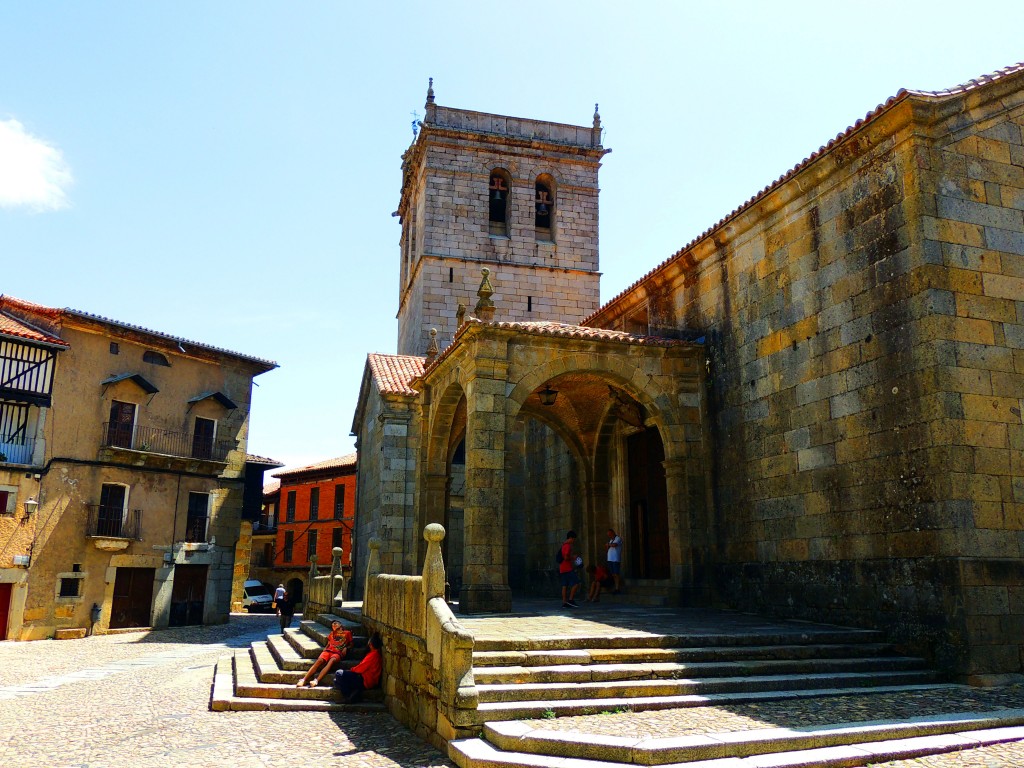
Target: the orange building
pixel 315 512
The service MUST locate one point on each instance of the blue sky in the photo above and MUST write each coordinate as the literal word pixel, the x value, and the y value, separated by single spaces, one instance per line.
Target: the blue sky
pixel 227 171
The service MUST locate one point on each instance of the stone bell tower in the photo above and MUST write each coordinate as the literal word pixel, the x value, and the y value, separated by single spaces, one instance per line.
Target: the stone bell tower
pixel 517 196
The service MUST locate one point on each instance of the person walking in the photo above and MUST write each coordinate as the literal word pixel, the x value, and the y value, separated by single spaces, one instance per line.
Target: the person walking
pixel 567 571
pixel 614 559
pixel 285 610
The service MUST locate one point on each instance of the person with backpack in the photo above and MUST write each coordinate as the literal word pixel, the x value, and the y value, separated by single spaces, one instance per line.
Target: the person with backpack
pixel 567 571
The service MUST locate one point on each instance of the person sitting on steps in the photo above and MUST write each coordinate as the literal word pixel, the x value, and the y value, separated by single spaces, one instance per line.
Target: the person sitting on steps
pixel 363 676
pixel 599 577
pixel 338 643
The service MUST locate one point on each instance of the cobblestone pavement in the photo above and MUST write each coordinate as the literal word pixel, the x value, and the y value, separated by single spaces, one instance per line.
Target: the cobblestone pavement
pixel 141 699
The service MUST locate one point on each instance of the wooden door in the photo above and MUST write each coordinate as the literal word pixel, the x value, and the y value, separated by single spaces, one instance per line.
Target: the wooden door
pixel 648 507
pixel 5 608
pixel 110 519
pixel 188 595
pixel 122 424
pixel 133 598
pixel 202 438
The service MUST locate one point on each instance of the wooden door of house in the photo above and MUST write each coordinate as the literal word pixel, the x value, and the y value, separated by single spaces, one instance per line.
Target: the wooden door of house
pixel 122 424
pixel 5 608
pixel 202 438
pixel 132 604
pixel 188 595
pixel 648 507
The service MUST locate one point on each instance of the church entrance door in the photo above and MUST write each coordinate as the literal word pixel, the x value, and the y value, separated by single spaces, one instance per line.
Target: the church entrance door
pixel 648 540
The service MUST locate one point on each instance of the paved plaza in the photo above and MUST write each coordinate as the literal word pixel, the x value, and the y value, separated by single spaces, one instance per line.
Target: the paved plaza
pixel 141 699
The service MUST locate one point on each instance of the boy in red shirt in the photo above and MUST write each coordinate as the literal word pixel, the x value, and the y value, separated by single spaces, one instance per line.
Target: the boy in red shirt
pixel 363 676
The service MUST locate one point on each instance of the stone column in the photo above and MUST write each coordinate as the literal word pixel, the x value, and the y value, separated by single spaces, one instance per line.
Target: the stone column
pixel 485 559
pixel 598 514
pixel 680 533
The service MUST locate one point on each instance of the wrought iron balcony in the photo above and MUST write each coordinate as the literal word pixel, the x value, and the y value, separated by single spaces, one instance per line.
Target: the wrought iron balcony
pixel 14 450
pixel 262 527
pixel 114 523
pixel 191 445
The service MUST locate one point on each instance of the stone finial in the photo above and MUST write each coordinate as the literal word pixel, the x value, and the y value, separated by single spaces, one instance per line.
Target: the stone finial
pixel 460 316
pixel 485 307
pixel 433 563
pixel 432 349
pixel 430 106
pixel 595 132
pixel 313 571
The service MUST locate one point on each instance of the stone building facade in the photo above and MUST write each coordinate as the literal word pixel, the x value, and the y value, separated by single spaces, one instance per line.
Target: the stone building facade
pixel 813 410
pixel 129 506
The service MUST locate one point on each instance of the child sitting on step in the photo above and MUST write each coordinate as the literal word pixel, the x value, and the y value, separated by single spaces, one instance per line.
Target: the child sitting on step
pixel 338 643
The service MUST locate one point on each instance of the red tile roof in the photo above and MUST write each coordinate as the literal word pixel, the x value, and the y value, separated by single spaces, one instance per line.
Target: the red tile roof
pixel 567 331
pixel 342 462
pixel 271 487
pixel 900 96
pixel 51 313
pixel 12 327
pixel 394 373
pixel 252 458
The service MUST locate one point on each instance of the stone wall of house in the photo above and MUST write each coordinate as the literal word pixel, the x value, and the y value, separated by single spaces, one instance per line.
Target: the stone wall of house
pixel 864 332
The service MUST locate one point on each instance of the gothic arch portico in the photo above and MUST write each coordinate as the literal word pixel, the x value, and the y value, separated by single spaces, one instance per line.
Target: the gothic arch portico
pixel 546 412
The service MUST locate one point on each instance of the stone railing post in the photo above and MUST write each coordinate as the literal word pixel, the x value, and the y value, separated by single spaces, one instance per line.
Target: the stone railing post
pixel 373 570
pixel 433 563
pixel 337 588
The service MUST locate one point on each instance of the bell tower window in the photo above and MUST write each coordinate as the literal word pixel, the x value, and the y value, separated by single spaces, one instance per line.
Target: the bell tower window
pixel 544 209
pixel 497 195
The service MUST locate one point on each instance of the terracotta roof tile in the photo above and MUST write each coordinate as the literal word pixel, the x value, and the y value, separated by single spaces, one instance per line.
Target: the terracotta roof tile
pixel 342 462
pixel 394 373
pixel 873 114
pixel 271 487
pixel 12 327
pixel 252 458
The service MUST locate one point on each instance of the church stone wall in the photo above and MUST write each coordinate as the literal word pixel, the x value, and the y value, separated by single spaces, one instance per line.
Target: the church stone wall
pixel 865 332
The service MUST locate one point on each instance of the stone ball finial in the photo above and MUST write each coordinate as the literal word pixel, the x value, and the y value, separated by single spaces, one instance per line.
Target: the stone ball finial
pixel 432 349
pixel 434 532
pixel 336 551
pixel 485 307
pixel 374 543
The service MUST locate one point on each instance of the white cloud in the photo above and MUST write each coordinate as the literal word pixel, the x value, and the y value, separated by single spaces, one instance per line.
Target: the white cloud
pixel 33 174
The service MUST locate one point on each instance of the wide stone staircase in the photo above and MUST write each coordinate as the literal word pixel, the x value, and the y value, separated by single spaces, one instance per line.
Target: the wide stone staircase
pixel 263 677
pixel 524 684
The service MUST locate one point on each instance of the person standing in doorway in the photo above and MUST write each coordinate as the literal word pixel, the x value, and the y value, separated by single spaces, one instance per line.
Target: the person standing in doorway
pixel 615 559
pixel 567 571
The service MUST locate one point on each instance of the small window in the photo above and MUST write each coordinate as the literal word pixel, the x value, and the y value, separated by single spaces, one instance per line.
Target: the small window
pixel 451 274
pixel 314 503
pixel 290 508
pixel 70 587
pixel 149 356
pixel 289 541
pixel 76 568
pixel 497 195
pixel 114 348
pixel 339 501
pixel 311 545
pixel 529 303
pixel 196 520
pixel 544 209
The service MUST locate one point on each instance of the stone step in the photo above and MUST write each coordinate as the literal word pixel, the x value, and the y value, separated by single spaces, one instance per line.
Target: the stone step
pixel 303 645
pixel 596 673
pixel 269 670
pixel 223 698
pixel 248 685
pixel 319 631
pixel 539 708
pixel 643 655
pixel 285 655
pixel 626 689
pixel 709 640
pixel 853 744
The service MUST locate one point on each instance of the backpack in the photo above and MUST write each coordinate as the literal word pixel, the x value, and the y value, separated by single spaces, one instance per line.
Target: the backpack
pixel 558 555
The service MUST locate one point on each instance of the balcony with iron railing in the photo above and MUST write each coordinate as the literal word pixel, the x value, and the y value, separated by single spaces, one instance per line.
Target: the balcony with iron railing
pixel 109 522
pixel 192 445
pixel 16 450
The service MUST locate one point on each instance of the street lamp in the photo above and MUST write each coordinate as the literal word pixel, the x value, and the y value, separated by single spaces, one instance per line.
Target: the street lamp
pixel 30 505
pixel 547 395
